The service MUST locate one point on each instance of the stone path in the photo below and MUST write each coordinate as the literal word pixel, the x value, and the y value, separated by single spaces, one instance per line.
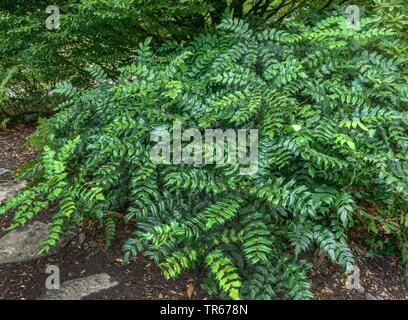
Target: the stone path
pixel 80 288
pixel 9 189
pixel 3 171
pixel 23 244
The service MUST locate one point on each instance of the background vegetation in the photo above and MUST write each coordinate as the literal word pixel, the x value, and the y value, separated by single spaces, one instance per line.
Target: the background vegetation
pixel 106 33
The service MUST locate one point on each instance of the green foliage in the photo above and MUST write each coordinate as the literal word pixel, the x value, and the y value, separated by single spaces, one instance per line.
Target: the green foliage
pixel 4 81
pixel 110 230
pixel 329 106
pixel 106 33
pixel 224 273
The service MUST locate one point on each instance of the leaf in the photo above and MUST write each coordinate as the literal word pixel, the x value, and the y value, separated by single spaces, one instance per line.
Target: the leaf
pixel 296 127
pixel 190 290
pixel 351 144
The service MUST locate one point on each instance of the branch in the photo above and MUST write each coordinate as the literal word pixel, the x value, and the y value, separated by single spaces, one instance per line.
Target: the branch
pixel 295 7
pixel 114 214
pixel 327 4
pixel 254 8
pixel 237 7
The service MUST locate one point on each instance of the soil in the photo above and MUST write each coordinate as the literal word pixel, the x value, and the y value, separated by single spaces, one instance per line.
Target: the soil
pixel 381 277
pixel 13 153
pixel 86 255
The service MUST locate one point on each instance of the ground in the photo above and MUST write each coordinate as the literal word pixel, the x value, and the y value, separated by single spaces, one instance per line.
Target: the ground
pixel 381 277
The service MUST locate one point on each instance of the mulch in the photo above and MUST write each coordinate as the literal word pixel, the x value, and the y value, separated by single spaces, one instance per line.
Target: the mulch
pixel 13 154
pixel 382 278
pixel 86 254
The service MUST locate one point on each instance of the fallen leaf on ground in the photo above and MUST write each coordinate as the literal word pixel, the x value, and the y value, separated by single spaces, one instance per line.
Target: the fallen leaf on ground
pixel 190 290
pixel 327 290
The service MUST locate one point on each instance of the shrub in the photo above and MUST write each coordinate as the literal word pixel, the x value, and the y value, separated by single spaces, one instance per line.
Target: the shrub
pixel 329 108
pixel 106 33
